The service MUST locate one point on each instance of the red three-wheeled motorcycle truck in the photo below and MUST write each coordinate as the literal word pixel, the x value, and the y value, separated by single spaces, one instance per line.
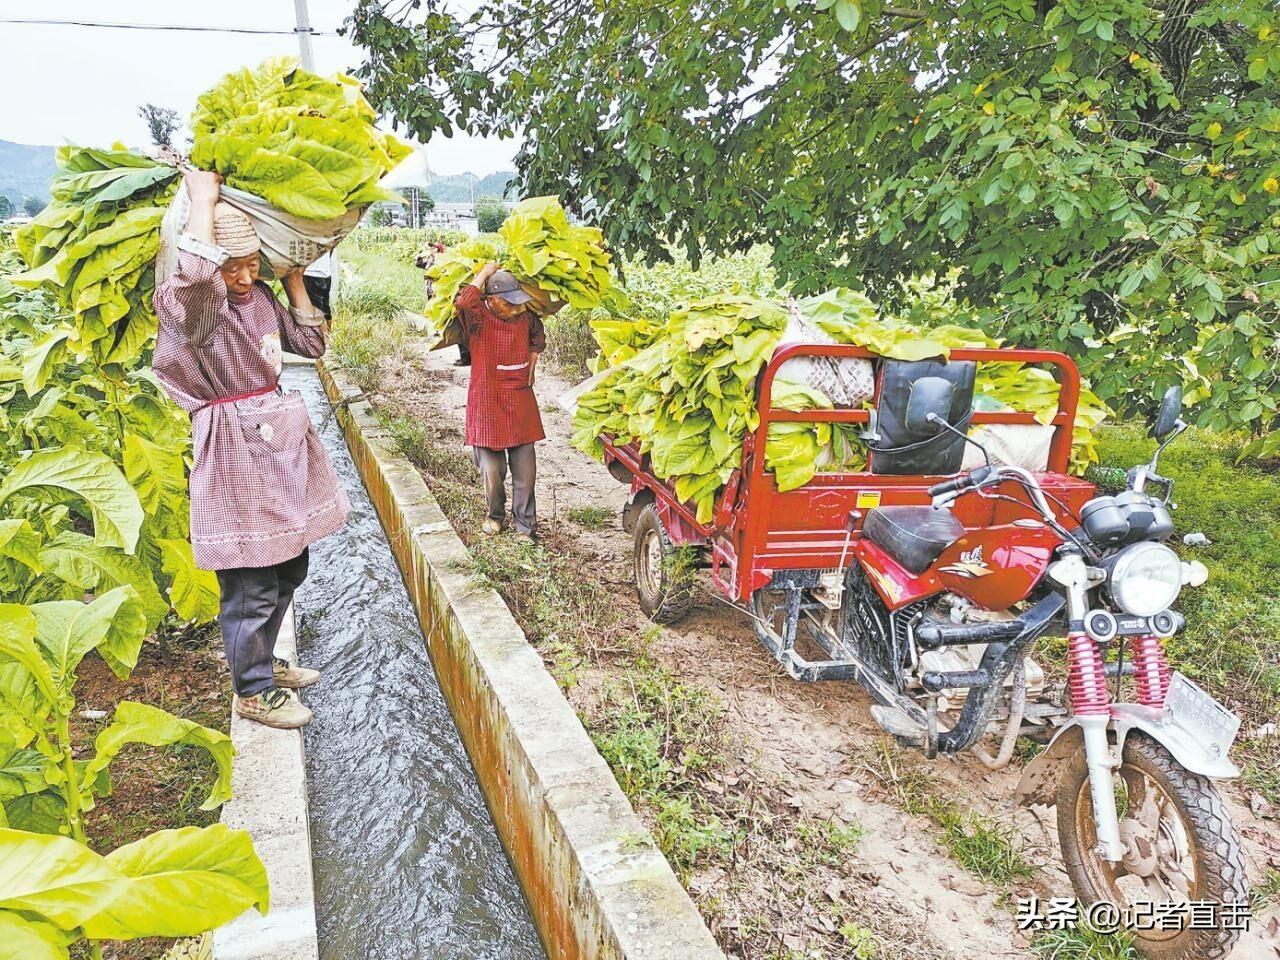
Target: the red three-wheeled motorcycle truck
pixel 928 585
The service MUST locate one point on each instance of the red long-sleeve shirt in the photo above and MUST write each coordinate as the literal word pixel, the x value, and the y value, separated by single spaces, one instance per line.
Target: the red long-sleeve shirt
pixel 475 314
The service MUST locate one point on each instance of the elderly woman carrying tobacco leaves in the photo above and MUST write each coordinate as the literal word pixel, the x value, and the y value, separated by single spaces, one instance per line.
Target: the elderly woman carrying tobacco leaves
pixel 505 338
pixel 262 487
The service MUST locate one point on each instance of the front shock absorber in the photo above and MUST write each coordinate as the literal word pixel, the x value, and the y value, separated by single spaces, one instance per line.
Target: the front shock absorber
pixel 1091 701
pixel 1087 678
pixel 1150 670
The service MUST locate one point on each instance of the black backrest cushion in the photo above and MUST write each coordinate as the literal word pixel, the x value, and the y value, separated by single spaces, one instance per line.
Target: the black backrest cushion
pixel 940 454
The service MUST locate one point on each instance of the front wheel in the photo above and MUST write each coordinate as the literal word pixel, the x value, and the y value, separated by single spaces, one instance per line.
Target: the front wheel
pixel 1179 848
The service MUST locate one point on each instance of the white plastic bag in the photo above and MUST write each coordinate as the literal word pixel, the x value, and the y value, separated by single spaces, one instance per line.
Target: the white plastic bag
pixel 288 242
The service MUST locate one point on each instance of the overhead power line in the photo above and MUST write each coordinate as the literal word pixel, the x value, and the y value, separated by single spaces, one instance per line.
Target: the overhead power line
pixel 179 27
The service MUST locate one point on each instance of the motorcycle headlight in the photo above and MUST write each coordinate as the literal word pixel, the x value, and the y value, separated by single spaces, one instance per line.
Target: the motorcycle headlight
pixel 1145 579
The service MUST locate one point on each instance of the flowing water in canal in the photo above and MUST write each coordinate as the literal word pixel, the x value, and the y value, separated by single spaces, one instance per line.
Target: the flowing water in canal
pixel 407 863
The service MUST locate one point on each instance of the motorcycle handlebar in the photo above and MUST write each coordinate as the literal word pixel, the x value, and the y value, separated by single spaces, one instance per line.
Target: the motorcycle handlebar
pixel 949 486
pixel 981 475
pixel 973 478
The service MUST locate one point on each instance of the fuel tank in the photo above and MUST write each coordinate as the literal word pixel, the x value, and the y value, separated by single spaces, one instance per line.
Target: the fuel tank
pixel 995 567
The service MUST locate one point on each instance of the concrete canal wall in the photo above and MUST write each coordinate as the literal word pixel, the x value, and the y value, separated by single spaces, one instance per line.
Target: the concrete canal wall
pixel 570 832
pixel 269 799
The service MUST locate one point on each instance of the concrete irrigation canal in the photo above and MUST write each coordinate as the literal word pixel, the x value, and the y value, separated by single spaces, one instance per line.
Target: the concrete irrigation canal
pixel 408 865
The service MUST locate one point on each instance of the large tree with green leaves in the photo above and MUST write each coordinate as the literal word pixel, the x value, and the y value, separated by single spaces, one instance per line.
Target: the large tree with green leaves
pixel 1105 172
pixel 490 212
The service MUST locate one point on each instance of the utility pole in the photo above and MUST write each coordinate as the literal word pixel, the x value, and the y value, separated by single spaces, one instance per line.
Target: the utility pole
pixel 304 35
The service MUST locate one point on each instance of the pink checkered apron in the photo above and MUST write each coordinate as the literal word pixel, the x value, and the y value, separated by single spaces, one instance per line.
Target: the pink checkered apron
pixel 262 486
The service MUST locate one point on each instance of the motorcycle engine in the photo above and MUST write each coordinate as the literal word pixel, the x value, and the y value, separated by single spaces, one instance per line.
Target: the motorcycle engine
pixel 953 609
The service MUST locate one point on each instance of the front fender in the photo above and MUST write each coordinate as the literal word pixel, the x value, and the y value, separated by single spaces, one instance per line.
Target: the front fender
pixel 1040 778
pixel 1186 749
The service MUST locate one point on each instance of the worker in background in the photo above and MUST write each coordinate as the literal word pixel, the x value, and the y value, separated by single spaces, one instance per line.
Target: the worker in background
pixel 262 487
pixel 425 261
pixel 503 422
pixel 321 280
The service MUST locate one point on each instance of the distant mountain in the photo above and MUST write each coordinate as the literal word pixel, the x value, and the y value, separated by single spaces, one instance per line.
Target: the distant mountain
pixel 462 187
pixel 415 171
pixel 25 171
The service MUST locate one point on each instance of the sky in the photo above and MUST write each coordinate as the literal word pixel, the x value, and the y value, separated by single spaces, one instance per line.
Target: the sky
pixel 82 85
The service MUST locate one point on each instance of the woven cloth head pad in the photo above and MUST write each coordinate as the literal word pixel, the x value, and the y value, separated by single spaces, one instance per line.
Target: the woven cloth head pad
pixel 233 231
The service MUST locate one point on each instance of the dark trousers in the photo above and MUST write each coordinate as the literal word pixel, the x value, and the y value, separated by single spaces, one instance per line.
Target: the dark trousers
pixel 524 475
pixel 254 601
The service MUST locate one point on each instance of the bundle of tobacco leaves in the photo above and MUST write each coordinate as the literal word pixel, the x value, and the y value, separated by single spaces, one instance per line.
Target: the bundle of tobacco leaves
pixel 94 247
pixel 557 262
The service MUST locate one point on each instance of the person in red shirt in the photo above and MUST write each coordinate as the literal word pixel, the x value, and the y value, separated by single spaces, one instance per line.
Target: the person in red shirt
pixel 503 422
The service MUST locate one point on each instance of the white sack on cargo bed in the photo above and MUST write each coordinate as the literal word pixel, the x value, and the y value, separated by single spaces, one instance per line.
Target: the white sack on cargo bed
pixel 846 382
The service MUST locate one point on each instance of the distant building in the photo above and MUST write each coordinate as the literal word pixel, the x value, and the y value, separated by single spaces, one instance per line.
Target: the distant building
pixel 454 216
pixel 454 195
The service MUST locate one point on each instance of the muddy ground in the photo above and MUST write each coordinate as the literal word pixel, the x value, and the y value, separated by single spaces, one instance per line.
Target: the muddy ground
pixel 182 671
pixel 816 742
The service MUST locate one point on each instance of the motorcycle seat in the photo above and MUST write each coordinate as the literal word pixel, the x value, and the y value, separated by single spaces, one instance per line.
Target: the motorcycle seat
pixel 913 536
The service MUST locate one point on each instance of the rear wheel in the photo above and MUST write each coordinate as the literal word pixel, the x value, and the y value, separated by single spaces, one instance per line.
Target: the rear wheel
pixel 1179 847
pixel 664 573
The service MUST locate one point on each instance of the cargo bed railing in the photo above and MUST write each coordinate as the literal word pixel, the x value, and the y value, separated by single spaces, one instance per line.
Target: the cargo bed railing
pixel 1063 421
pixel 757 490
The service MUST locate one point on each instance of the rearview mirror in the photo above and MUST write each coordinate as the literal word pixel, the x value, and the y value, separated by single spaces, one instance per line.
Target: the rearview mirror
pixel 1169 415
pixel 929 395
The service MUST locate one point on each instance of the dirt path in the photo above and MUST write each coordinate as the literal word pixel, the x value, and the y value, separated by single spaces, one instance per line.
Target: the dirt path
pixel 818 740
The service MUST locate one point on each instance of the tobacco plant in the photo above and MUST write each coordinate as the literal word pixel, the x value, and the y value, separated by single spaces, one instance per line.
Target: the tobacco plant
pixel 53 888
pixel 93 555
pixel 100 415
